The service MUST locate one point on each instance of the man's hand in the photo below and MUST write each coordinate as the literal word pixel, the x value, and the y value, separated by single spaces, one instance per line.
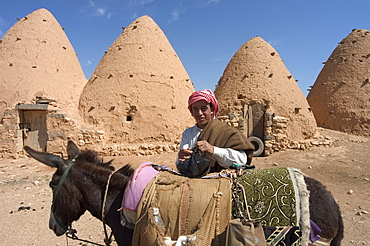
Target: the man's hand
pixel 204 147
pixel 184 154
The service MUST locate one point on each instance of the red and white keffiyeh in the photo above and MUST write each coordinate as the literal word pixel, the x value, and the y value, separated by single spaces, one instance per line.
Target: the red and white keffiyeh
pixel 206 95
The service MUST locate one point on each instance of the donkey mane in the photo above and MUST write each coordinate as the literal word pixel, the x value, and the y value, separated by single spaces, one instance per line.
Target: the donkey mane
pixel 92 157
pixel 93 165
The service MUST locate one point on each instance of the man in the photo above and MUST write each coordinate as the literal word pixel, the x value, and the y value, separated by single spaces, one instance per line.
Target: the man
pixel 223 145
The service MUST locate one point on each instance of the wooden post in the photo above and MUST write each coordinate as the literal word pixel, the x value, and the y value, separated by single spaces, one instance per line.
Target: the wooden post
pixel 248 120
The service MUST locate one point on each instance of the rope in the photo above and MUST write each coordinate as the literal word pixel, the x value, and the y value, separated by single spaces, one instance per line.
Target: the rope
pixel 240 202
pixel 107 239
pixel 165 168
pixel 103 210
pixel 72 235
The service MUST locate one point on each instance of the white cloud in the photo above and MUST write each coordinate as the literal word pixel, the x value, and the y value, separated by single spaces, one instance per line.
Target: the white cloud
pixel 142 2
pixel 94 10
pixel 100 11
pixel 213 1
pixel 2 22
pixel 175 15
pixel 275 43
pixel 137 7
pixel 207 3
pixel 134 3
pixel 217 60
pixel 86 63
pixel 134 16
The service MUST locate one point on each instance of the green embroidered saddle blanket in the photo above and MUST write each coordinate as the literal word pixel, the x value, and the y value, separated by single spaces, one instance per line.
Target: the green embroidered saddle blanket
pixel 277 197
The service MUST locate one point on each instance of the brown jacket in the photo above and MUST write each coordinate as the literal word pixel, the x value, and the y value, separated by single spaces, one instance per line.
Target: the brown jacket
pixel 222 135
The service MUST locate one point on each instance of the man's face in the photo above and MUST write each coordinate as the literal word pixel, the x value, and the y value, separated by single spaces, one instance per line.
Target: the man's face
pixel 202 113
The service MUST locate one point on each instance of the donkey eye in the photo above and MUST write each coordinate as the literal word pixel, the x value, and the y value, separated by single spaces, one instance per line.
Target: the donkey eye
pixel 52 184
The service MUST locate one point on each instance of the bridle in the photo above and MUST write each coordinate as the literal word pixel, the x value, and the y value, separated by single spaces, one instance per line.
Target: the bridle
pixel 55 194
pixel 70 232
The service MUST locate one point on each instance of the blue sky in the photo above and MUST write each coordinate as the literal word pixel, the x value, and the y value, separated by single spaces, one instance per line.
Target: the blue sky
pixel 207 33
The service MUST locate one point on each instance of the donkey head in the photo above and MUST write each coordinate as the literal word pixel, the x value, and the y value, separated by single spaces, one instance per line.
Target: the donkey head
pixel 66 206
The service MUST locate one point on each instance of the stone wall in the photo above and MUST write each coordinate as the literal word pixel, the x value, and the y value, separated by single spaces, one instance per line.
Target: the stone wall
pixel 95 139
pixel 275 133
pixel 10 135
pixel 60 129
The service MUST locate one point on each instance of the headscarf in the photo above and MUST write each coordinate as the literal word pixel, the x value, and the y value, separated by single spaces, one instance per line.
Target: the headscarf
pixel 206 95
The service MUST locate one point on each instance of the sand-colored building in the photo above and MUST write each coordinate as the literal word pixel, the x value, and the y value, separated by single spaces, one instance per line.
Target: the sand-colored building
pixel 340 96
pixel 139 90
pixel 263 98
pixel 41 78
pixel 134 103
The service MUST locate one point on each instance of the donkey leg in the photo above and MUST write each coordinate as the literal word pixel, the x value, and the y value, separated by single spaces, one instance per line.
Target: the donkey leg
pixel 338 238
pixel 325 212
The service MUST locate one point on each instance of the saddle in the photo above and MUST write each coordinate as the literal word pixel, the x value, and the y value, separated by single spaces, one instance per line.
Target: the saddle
pixel 277 199
pixel 188 206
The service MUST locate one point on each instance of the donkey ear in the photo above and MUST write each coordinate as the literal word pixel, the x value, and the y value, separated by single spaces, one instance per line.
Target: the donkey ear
pixel 46 158
pixel 72 150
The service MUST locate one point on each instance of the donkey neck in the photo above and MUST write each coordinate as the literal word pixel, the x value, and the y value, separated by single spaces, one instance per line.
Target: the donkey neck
pixel 93 191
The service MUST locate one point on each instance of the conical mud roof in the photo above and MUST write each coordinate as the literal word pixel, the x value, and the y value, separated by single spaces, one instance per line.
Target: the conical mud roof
pixel 37 60
pixel 257 75
pixel 139 90
pixel 340 96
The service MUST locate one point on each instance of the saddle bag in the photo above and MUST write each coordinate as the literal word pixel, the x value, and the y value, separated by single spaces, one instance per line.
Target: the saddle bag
pixel 242 232
pixel 195 166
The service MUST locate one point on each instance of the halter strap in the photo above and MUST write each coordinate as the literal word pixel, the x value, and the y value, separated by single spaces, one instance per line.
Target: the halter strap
pixel 60 183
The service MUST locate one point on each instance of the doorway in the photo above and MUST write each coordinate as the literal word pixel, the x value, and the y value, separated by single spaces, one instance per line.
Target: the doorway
pixel 33 126
pixel 255 120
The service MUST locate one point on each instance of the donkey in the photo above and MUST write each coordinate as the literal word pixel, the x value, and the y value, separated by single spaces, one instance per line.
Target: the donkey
pixel 80 183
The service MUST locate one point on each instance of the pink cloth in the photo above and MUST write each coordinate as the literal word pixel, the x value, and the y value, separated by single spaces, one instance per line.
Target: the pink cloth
pixel 135 187
pixel 206 95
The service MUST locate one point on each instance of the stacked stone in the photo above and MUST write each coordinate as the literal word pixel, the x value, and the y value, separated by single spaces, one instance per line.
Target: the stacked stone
pixel 140 150
pixel 60 129
pixel 233 119
pixel 10 135
pixel 275 136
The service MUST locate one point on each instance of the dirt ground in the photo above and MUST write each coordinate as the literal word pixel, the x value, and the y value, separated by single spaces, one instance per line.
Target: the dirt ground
pixel 343 168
